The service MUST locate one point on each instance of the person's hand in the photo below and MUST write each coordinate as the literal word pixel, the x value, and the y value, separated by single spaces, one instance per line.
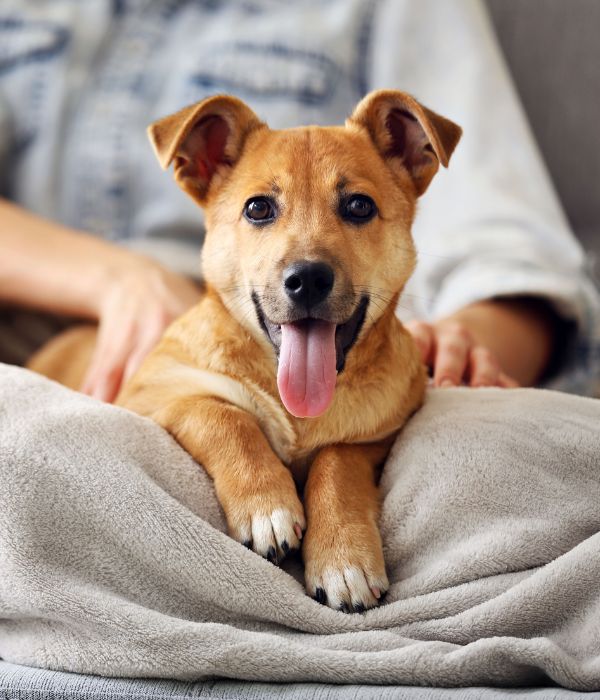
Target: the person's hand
pixel 454 357
pixel 139 303
pixel 54 268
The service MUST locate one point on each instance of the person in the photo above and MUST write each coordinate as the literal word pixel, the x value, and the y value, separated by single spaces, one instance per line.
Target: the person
pixel 91 228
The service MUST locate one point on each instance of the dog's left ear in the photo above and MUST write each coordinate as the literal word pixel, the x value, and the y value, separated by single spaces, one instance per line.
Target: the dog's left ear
pixel 204 140
pixel 403 129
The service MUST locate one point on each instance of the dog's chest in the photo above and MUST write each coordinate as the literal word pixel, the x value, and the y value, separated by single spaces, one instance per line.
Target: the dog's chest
pixel 372 399
pixel 361 412
pixel 354 417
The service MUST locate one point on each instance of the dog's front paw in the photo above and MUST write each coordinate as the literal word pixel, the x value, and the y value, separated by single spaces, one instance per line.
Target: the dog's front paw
pixel 267 517
pixel 344 569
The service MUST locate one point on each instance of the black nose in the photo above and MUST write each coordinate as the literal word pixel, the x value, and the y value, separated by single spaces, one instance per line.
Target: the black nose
pixel 308 283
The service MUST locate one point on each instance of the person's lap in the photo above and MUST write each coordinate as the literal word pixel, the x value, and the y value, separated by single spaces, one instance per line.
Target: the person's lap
pixel 489 521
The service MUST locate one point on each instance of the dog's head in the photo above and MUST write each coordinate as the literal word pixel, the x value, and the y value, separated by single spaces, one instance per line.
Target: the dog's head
pixel 308 230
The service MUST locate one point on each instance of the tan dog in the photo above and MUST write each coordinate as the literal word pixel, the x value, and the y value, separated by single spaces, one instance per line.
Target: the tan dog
pixel 293 369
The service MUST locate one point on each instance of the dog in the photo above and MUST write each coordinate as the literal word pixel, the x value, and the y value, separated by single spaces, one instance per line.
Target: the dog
pixel 293 371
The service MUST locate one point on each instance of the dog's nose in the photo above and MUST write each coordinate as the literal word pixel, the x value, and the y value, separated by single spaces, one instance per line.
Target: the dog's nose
pixel 308 283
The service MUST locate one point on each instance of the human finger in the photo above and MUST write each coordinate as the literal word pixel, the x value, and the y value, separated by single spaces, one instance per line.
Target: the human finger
pixel 104 381
pixel 143 347
pixel 453 343
pixel 105 374
pixel 507 382
pixel 484 368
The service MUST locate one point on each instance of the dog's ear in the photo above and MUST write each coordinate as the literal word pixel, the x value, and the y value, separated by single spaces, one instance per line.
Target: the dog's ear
pixel 403 129
pixel 203 140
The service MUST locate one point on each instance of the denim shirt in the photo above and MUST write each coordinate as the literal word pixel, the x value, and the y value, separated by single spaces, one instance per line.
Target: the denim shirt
pixel 80 81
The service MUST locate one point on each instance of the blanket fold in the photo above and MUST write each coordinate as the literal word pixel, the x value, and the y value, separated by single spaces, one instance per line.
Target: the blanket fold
pixel 114 557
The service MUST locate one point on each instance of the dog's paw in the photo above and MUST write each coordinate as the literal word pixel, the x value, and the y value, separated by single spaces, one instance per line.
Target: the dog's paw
pixel 270 521
pixel 272 535
pixel 345 570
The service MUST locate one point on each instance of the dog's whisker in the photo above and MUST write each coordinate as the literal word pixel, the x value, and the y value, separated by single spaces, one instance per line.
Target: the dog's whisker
pixel 371 291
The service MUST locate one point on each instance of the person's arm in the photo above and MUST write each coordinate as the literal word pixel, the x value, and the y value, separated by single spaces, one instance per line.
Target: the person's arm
pixel 503 342
pixel 47 266
pixel 491 226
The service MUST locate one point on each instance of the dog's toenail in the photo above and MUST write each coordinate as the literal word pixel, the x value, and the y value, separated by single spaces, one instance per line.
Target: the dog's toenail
pixel 321 596
pixel 247 543
pixel 272 555
pixel 344 607
pixel 285 547
pixel 298 531
pixel 359 608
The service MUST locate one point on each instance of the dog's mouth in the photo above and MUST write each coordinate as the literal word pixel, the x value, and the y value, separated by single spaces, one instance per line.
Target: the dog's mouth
pixel 311 352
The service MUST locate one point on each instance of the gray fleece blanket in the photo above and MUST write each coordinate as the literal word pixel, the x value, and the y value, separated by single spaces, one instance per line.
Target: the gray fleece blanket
pixel 114 558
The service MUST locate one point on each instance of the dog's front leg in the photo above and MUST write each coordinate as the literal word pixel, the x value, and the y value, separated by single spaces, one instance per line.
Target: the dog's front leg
pixel 342 550
pixel 257 492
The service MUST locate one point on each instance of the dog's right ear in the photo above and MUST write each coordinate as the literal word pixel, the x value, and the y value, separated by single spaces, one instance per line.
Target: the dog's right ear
pixel 203 140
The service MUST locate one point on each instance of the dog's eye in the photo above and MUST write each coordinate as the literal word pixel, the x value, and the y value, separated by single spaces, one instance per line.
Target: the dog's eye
pixel 259 210
pixel 358 208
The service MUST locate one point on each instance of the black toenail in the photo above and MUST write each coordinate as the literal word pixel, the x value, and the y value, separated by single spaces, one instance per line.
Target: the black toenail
pixel 285 547
pixel 247 543
pixel 344 608
pixel 321 596
pixel 359 608
pixel 382 596
pixel 272 555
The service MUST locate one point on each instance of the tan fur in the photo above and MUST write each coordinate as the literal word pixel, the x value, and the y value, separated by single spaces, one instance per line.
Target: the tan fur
pixel 66 357
pixel 211 381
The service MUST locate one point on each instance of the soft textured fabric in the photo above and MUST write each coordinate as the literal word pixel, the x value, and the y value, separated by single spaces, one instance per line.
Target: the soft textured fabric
pixel 114 559
pixel 23 683
pixel 79 83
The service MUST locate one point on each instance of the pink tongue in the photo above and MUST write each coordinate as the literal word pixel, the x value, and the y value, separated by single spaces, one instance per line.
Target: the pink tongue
pixel 306 374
